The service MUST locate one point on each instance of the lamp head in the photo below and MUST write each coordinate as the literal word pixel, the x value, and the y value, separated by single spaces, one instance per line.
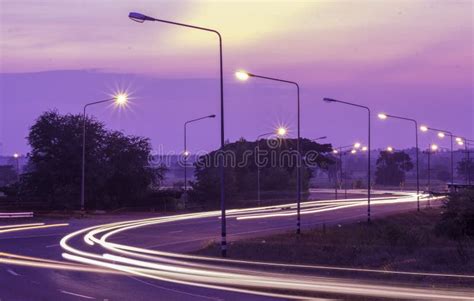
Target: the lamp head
pixel 212 116
pixel 441 135
pixel 389 149
pixel 423 128
pixel 460 142
pixel 140 18
pixel 382 116
pixel 16 156
pixel 458 139
pixel 357 145
pixel 326 99
pixel 364 148
pixel 353 151
pixel 121 99
pixel 334 151
pixel 186 153
pixel 242 75
pixel 281 131
pixel 434 147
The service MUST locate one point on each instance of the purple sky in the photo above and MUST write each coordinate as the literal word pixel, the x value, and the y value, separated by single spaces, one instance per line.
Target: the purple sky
pixel 409 58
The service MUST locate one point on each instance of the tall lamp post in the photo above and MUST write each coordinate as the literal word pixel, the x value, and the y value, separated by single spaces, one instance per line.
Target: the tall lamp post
pixel 331 100
pixel 441 134
pixel 280 132
pixel 186 154
pixel 242 75
pixel 120 100
pixel 140 18
pixel 384 116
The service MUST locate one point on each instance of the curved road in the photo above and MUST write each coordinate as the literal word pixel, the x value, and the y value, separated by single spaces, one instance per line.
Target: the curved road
pixel 141 257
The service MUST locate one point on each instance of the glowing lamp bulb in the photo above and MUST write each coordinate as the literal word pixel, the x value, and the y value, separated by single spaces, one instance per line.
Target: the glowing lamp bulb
pixel 434 147
pixel 334 151
pixel 242 75
pixel 121 99
pixel 186 153
pixel 16 156
pixel 364 148
pixel 353 151
pixel 390 149
pixel 382 116
pixel 441 135
pixel 458 139
pixel 460 143
pixel 357 145
pixel 423 128
pixel 281 131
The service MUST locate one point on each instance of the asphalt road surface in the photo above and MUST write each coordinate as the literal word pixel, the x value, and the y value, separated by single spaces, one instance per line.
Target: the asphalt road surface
pixel 33 264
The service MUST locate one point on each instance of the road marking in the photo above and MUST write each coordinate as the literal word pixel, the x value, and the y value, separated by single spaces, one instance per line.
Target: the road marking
pixel 52 246
pixel 12 272
pixel 34 236
pixel 179 231
pixel 174 290
pixel 77 295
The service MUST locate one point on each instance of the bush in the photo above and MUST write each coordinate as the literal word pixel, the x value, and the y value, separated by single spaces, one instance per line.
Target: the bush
pixel 457 221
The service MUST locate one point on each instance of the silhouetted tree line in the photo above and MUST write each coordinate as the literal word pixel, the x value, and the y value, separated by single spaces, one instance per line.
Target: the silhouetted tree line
pixel 117 167
pixel 391 167
pixel 278 175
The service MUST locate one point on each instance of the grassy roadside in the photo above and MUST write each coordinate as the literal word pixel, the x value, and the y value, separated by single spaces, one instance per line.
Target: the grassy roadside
pixel 403 242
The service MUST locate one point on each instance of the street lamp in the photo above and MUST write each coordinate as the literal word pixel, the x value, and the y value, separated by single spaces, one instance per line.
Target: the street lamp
pixel 242 75
pixel 442 134
pixel 384 116
pixel 186 154
pixel 331 100
pixel 340 151
pixel 279 132
pixel 389 149
pixel 120 100
pixel 17 159
pixel 466 142
pixel 140 18
pixel 431 150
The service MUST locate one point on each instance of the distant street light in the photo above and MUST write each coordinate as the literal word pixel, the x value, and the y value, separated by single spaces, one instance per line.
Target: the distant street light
pixel 242 75
pixel 389 149
pixel 331 100
pixel 17 159
pixel 431 150
pixel 441 134
pixel 462 141
pixel 279 132
pixel 384 116
pixel 186 155
pixel 120 100
pixel 140 18
pixel 340 151
pixel 357 145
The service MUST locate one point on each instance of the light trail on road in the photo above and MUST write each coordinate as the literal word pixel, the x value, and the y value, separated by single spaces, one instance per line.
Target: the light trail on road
pixel 223 274
pixel 99 254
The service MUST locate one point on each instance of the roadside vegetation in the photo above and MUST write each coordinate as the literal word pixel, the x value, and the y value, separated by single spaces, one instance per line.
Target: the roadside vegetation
pixel 433 240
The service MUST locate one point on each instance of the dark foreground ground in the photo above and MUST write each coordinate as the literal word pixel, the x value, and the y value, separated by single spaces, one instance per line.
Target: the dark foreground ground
pixel 402 242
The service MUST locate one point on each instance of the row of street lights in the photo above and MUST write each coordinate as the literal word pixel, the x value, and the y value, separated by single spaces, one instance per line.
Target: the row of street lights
pixel 138 17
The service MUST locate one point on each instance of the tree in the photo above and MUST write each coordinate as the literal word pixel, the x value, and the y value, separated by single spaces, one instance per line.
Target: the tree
pixel 391 167
pixel 116 165
pixel 277 162
pixel 7 175
pixel 465 168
